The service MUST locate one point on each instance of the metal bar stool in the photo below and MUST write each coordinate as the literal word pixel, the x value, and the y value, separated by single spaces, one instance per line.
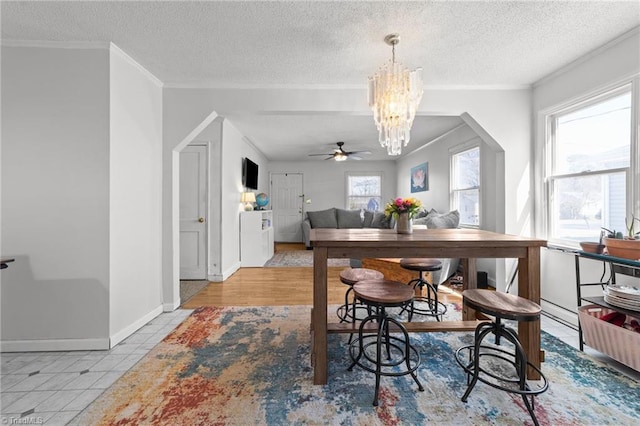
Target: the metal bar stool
pixel 366 350
pixel 429 305
pixel 349 277
pixel 501 306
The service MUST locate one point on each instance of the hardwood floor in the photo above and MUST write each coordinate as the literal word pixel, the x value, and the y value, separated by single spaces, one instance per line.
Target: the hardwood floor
pixel 275 287
pixel 267 287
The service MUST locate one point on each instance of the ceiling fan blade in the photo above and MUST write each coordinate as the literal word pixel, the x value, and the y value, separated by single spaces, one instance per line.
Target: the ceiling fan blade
pixel 339 152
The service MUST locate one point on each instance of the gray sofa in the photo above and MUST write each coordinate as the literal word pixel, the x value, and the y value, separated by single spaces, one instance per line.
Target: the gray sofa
pixel 343 219
pixel 350 219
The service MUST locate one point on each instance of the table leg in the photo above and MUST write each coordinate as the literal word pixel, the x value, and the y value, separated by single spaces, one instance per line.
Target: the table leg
pixel 469 281
pixel 529 288
pixel 319 313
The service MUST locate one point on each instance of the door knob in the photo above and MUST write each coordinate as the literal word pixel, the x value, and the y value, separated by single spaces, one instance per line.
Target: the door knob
pixel 201 219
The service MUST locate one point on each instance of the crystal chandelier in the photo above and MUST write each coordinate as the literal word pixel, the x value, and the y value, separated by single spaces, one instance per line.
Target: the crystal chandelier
pixel 394 95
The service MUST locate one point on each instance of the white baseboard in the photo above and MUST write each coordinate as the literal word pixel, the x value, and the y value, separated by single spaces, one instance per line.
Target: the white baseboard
pixel 225 274
pixel 561 313
pixel 46 345
pixel 491 282
pixel 42 345
pixel 131 328
pixel 170 307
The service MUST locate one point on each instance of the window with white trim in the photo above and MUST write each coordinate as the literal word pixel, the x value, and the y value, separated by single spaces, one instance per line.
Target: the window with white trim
pixel 588 167
pixel 364 191
pixel 465 185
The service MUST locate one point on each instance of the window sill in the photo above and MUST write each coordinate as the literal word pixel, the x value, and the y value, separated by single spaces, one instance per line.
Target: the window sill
pixel 565 248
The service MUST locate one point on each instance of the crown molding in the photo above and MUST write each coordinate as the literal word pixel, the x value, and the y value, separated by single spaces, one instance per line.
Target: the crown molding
pixel 155 80
pixel 56 44
pixel 205 86
pixel 216 86
pixel 486 87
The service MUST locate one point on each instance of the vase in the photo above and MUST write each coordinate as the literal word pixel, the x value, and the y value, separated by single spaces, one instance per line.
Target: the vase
pixel 404 224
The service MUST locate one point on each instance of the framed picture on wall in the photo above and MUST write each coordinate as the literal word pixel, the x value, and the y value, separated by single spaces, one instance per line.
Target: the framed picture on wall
pixel 420 178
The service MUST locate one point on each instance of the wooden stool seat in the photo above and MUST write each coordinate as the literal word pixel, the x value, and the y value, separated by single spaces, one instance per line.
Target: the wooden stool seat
pixel 503 305
pixel 351 276
pixel 383 291
pixel 423 265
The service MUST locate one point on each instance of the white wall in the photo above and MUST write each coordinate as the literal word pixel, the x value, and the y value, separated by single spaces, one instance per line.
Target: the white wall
pixel 437 155
pixel 232 149
pixel 613 63
pixel 55 198
pixel 135 154
pixel 324 182
pixel 503 116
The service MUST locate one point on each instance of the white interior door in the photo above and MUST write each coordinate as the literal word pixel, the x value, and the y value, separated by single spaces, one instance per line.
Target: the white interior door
pixel 193 220
pixel 286 203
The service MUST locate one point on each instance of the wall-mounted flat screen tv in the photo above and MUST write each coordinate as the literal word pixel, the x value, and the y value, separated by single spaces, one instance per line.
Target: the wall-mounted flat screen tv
pixel 249 174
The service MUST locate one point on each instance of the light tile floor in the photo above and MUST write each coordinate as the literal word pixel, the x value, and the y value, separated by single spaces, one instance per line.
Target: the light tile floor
pixel 53 387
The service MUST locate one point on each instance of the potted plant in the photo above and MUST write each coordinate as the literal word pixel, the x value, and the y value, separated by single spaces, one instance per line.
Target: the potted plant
pixel 625 246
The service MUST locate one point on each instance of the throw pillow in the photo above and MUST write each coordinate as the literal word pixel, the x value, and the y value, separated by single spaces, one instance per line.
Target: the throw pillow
pixel 421 217
pixel 422 213
pixel 380 221
pixel 348 219
pixel 368 218
pixel 323 218
pixel 443 220
pixel 420 221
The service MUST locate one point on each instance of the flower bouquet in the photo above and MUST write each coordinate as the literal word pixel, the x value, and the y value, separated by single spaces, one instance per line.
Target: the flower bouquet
pixel 403 209
pixel 402 205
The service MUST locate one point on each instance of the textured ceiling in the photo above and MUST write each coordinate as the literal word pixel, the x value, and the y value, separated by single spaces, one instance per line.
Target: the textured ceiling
pixel 293 137
pixel 306 43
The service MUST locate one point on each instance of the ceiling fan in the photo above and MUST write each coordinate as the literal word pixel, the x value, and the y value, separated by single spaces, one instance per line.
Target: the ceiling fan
pixel 340 154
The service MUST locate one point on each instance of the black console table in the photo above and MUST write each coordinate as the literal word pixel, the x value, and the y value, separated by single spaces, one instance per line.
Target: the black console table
pixel 617 265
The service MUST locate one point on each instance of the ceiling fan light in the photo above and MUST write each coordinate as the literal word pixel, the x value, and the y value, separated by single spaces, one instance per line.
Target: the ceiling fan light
pixel 340 157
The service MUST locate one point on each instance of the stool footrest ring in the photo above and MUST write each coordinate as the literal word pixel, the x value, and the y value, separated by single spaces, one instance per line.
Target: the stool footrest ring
pixel 496 353
pixel 345 312
pixel 371 340
pixel 433 308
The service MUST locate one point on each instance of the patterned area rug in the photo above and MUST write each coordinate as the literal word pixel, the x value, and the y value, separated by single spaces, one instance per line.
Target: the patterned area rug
pixel 299 258
pixel 249 366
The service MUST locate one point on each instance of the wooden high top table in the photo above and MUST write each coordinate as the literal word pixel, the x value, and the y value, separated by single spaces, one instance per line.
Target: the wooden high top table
pixel 466 244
